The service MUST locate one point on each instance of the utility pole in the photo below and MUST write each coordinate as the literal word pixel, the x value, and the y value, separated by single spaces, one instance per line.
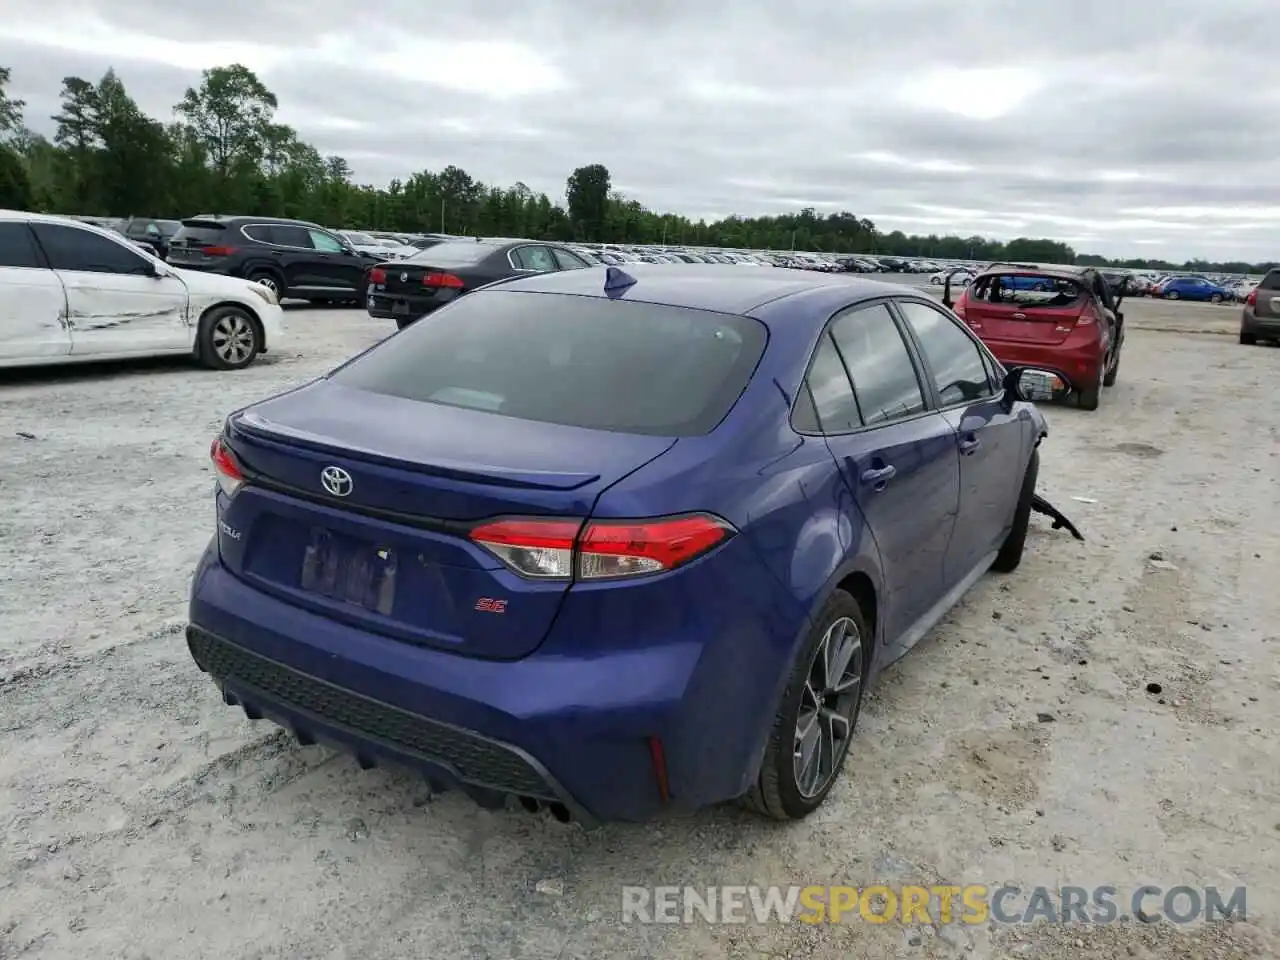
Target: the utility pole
pixel 442 214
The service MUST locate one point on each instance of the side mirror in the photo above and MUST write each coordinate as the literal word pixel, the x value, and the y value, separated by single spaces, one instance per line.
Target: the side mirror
pixel 1033 384
pixel 155 271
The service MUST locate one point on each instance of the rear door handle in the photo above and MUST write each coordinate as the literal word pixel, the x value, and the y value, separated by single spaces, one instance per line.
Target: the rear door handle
pixel 879 477
pixel 969 444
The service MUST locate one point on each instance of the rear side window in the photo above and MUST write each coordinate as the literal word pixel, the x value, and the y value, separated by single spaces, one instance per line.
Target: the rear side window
pixel 16 247
pixel 453 254
pixel 262 232
pixel 1271 281
pixel 290 235
pixel 1029 290
pixel 589 362
pixel 884 378
pixel 834 408
pixel 568 261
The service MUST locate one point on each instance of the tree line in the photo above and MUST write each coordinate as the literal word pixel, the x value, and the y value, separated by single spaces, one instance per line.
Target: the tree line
pixel 224 152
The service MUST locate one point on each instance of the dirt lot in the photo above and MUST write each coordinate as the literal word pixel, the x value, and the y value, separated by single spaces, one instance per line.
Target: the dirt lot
pixel 1017 744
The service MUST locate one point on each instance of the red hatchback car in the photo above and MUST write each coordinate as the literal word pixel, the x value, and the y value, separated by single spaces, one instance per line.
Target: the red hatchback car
pixel 1063 319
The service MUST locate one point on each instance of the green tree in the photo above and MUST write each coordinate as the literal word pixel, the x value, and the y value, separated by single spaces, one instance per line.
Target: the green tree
pixel 10 108
pixel 230 114
pixel 587 194
pixel 15 187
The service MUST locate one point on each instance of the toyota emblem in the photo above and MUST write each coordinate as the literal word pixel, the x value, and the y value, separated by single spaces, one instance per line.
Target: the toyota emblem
pixel 336 481
pixel 404 277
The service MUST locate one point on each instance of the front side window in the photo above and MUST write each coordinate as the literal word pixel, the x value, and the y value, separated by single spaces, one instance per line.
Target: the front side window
pixel 71 248
pixel 884 378
pixel 325 243
pixel 955 360
pixel 16 246
pixel 589 362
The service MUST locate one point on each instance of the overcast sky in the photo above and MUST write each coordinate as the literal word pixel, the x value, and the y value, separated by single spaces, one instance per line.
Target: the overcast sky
pixel 1123 127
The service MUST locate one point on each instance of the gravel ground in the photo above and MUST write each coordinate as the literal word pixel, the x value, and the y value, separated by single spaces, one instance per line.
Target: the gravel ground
pixel 1017 744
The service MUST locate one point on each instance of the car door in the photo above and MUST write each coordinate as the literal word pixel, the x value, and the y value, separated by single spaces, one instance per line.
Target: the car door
pixel 33 303
pixel 990 439
pixel 340 268
pixel 534 258
pixel 117 302
pixel 898 457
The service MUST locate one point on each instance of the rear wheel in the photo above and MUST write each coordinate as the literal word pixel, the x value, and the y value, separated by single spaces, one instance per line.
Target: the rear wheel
pixel 1113 368
pixel 1171 295
pixel 815 720
pixel 269 280
pixel 1248 339
pixel 1091 396
pixel 1010 554
pixel 402 322
pixel 1215 298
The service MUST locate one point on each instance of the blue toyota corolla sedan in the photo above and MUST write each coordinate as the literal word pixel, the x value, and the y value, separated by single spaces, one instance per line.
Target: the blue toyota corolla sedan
pixel 613 543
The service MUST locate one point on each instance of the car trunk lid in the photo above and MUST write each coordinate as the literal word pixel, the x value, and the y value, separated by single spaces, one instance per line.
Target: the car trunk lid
pixel 199 243
pixel 1025 308
pixel 386 548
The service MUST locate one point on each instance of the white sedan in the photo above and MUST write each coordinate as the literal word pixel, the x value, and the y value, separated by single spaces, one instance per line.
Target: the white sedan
pixel 72 292
pixel 959 278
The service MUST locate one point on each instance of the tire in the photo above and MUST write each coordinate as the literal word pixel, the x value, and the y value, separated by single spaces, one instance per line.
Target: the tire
pixel 784 789
pixel 270 280
pixel 1113 369
pixel 1248 339
pixel 1171 295
pixel 1091 396
pixel 402 322
pixel 230 338
pixel 1215 298
pixel 1010 554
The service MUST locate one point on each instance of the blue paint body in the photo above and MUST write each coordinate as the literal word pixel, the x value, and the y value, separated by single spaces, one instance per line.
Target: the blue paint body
pixel 574 678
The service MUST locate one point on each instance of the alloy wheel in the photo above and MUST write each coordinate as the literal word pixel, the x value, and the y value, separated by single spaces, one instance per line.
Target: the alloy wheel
pixel 233 338
pixel 824 724
pixel 269 282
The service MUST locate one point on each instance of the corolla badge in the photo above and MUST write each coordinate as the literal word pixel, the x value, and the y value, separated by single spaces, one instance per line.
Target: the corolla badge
pixel 336 481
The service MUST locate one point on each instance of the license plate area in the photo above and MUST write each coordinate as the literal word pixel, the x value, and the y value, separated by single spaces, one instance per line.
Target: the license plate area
pixel 349 571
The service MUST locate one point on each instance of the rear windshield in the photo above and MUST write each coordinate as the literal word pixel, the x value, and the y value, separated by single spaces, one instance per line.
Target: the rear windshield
pixel 1271 281
pixel 168 227
pixel 200 232
pixel 453 253
pixel 588 362
pixel 1027 289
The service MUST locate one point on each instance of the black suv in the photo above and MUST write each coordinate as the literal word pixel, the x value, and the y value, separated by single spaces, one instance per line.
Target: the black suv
pixel 151 235
pixel 294 258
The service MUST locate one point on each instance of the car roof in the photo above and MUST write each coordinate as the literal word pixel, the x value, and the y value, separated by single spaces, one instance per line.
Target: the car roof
pixel 1022 269
pixel 741 290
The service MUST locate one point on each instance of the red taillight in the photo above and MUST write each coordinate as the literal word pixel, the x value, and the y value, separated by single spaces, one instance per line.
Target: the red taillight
pixel 446 280
pixel 1252 298
pixel 1087 316
pixel 219 251
pixel 230 478
pixel 602 549
pixel 377 275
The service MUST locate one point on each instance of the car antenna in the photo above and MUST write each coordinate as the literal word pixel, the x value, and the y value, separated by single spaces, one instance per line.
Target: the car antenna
pixel 617 281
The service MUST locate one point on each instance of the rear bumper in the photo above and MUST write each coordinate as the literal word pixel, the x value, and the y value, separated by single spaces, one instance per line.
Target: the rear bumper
pixel 390 306
pixel 1250 322
pixel 1076 364
pixel 570 724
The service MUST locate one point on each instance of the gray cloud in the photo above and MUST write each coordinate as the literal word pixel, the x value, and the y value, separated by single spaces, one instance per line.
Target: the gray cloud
pixel 1147 128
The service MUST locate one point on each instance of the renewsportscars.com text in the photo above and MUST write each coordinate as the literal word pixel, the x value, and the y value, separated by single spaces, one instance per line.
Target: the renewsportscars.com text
pixel 970 904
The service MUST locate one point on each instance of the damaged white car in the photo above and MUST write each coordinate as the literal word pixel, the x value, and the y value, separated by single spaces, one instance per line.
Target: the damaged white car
pixel 72 292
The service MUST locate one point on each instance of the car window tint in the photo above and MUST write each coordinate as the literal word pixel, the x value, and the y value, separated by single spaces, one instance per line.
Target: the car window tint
pixel 956 361
pixel 288 235
pixel 591 362
pixel 71 248
pixel 1271 281
pixel 325 243
pixel 16 246
pixel 884 378
pixel 534 258
pixel 263 233
pixel 833 400
pixel 568 261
